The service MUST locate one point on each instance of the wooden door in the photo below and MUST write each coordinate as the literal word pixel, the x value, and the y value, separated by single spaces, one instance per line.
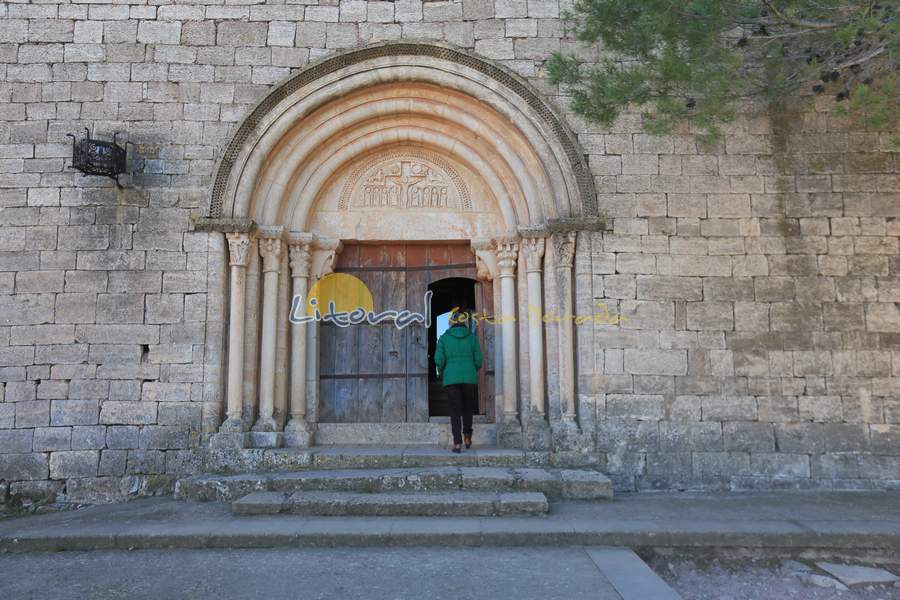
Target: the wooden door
pixel 378 373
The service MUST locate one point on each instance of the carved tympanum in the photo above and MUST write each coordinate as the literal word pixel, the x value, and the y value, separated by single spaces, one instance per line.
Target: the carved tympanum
pixel 408 180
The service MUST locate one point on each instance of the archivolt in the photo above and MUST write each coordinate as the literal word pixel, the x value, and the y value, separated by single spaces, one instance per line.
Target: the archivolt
pixel 530 134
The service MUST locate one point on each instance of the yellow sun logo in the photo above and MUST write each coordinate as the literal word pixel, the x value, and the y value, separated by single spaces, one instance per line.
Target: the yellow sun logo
pixel 347 292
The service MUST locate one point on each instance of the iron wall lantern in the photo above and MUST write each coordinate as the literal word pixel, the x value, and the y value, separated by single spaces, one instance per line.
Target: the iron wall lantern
pixel 97 157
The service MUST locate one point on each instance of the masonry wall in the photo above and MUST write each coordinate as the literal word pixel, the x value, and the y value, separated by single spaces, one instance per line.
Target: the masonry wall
pixel 758 278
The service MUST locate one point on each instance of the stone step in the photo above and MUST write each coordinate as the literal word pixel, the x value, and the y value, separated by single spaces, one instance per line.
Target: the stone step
pixel 556 484
pixel 393 504
pixel 358 457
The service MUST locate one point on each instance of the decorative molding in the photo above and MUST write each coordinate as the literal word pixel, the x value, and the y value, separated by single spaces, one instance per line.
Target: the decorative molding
pixel 224 225
pixel 517 86
pixel 590 223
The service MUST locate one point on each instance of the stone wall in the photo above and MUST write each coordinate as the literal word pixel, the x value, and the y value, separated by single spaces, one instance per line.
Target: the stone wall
pixel 758 278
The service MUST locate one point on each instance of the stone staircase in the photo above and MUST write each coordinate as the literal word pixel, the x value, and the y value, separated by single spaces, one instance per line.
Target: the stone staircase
pixel 403 481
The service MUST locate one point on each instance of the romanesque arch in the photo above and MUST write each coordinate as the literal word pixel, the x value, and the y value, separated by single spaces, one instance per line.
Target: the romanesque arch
pixel 395 142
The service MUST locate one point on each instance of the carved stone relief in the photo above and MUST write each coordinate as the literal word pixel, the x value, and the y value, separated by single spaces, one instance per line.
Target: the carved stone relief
pixel 406 180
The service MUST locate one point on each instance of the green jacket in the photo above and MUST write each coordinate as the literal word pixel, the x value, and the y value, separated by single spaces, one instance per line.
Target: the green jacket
pixel 458 356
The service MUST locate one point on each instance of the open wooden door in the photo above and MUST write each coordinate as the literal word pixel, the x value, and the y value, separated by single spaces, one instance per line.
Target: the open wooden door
pixel 378 373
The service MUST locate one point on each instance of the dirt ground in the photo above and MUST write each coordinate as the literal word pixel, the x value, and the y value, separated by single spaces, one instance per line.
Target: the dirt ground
pixel 748 579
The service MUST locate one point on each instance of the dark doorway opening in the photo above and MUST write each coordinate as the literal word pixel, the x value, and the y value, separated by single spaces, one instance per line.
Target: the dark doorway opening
pixel 448 294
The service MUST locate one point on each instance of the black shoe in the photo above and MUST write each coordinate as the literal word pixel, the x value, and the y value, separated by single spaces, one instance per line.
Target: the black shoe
pixel 468 440
pixel 456 449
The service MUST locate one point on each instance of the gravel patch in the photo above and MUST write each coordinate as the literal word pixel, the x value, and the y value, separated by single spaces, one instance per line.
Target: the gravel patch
pixel 769 579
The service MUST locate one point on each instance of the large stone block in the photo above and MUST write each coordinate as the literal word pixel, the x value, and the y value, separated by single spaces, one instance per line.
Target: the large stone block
pixel 26 309
pixel 690 437
pixel 749 437
pixel 29 335
pixel 703 316
pixel 159 32
pixel 157 437
pixel 75 463
pixel 729 408
pixel 48 439
pixel 34 413
pixel 23 467
pixel 112 463
pixel 617 436
pixel 122 437
pixel 7 415
pixel 120 308
pixel 714 466
pixel 145 462
pixel 16 440
pixel 821 408
pixel 656 362
pixel 637 407
pixel 115 334
pixel 127 413
pixel 780 465
pixel 74 412
pixel 660 287
pixel 88 437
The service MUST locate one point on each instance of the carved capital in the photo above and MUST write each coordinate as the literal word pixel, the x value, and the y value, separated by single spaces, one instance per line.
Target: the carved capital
pixel 564 248
pixel 238 248
pixel 300 258
pixel 299 253
pixel 533 248
pixel 270 249
pixel 507 256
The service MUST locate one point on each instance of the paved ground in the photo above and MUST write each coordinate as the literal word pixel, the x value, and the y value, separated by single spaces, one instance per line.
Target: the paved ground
pixel 770 520
pixel 339 574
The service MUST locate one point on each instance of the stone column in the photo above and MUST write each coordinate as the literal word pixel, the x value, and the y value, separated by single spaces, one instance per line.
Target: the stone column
pixel 533 248
pixel 270 247
pixel 238 252
pixel 507 256
pixel 324 258
pixel 488 271
pixel 298 432
pixel 564 250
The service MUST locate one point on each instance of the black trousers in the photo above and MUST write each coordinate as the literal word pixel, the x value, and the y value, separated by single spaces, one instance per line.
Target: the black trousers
pixel 461 398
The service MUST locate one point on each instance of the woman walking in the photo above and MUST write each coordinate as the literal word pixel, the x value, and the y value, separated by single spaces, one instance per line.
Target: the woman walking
pixel 458 359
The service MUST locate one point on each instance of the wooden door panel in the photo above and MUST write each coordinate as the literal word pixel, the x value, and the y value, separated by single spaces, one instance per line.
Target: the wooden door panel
pixel 379 373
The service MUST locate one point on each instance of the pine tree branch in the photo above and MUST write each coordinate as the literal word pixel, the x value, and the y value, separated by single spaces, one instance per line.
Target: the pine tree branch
pixel 817 25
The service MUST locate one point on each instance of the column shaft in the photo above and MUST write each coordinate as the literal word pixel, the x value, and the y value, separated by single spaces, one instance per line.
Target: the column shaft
pixel 564 249
pixel 297 431
pixel 534 252
pixel 270 248
pixel 507 256
pixel 238 249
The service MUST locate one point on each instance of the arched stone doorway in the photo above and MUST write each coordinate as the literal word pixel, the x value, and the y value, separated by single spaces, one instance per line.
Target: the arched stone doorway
pixel 411 143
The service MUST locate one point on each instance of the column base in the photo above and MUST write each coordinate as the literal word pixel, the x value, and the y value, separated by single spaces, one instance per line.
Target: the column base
pixel 266 439
pixel 229 440
pixel 537 434
pixel 509 432
pixel 232 425
pixel 265 425
pixel 567 435
pixel 298 433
